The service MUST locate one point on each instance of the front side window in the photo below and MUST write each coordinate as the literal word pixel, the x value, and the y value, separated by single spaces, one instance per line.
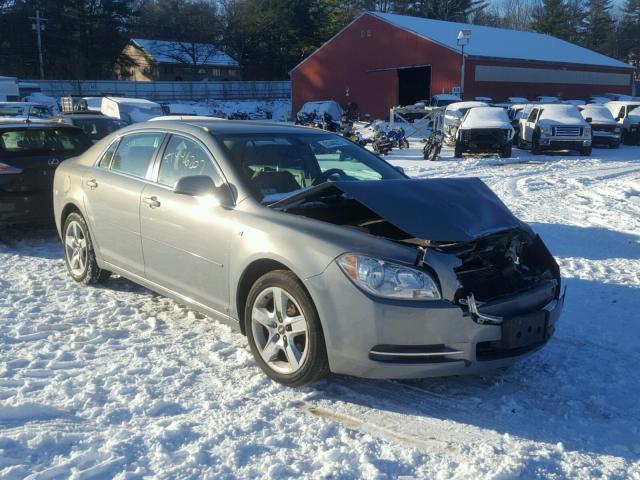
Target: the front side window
pixel 277 164
pixel 184 157
pixel 532 115
pixel 135 153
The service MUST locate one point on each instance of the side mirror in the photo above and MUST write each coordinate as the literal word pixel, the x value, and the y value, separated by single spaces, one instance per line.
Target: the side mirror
pixel 203 186
pixel 589 119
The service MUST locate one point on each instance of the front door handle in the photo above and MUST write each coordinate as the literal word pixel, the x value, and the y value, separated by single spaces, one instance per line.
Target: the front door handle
pixel 92 183
pixel 151 201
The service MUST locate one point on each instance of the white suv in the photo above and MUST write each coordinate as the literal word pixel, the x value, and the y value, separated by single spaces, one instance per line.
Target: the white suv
pixel 555 127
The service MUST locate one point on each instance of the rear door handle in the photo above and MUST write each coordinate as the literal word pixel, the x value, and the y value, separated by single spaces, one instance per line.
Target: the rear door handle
pixel 151 201
pixel 92 183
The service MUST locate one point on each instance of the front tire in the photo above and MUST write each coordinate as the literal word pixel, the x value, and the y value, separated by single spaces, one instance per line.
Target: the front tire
pixel 284 331
pixel 585 152
pixel 457 152
pixel 506 151
pixel 79 254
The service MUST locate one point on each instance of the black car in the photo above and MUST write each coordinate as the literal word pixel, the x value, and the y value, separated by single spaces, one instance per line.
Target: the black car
pixel 95 125
pixel 29 154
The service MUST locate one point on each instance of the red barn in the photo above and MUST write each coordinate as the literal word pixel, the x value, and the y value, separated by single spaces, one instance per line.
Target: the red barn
pixel 381 60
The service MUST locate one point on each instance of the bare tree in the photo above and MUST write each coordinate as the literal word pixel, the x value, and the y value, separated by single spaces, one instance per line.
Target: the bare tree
pixel 517 14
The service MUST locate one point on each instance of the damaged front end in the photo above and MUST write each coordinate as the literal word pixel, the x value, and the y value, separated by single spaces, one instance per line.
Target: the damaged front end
pixel 487 262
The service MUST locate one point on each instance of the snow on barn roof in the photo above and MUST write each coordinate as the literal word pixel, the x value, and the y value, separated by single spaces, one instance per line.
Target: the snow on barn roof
pixel 165 51
pixel 501 42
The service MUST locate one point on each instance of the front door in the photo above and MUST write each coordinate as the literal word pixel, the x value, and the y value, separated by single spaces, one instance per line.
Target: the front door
pixel 185 239
pixel 113 188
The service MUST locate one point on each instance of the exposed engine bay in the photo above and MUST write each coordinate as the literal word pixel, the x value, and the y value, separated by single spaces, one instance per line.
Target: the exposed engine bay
pixel 489 266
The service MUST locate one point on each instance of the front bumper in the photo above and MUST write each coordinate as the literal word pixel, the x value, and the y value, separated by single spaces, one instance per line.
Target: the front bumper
pixel 564 143
pixel 31 207
pixel 605 138
pixel 377 338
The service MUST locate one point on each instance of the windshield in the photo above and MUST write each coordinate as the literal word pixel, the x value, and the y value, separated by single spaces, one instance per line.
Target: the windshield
pixel 277 165
pixel 634 109
pixel 32 140
pixel 97 128
pixel 598 114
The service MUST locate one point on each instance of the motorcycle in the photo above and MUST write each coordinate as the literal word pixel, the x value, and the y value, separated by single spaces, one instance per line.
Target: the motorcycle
pixel 398 138
pixel 433 145
pixel 381 144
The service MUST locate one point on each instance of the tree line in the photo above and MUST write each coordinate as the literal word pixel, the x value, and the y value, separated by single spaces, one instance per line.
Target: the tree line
pixel 83 38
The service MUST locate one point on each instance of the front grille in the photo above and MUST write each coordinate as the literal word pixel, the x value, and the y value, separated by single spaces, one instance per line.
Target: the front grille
pixel 567 131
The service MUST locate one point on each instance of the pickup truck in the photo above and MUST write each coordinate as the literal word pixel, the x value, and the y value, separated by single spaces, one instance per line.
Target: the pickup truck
pixel 627 114
pixel 604 128
pixel 555 127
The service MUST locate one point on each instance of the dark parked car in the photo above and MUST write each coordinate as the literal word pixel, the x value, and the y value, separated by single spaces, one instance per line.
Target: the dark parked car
pixel 29 154
pixel 96 126
pixel 486 130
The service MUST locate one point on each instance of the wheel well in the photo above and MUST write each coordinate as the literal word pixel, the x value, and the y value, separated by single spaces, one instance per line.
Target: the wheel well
pixel 68 208
pixel 252 273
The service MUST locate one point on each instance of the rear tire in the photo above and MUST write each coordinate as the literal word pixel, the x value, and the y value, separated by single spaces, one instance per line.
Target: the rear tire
pixel 285 335
pixel 627 138
pixel 79 254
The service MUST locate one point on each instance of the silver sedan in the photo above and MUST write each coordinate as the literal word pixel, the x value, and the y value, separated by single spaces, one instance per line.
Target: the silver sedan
pixel 328 258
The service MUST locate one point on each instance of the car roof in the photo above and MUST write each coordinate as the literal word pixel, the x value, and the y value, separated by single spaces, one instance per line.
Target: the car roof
pixel 222 126
pixel 87 115
pixel 35 124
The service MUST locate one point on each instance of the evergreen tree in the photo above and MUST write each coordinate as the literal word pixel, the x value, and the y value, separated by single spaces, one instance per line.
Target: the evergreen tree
pixel 599 26
pixel 553 17
pixel 629 34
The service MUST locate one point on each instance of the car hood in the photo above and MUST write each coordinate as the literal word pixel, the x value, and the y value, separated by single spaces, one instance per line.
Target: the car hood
pixel 438 210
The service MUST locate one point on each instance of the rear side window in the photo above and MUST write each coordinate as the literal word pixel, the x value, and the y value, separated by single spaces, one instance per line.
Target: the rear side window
pixel 135 152
pixel 105 161
pixel 184 157
pixel 32 140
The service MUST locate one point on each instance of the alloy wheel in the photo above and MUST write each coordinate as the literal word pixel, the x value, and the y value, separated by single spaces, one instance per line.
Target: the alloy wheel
pixel 280 330
pixel 75 244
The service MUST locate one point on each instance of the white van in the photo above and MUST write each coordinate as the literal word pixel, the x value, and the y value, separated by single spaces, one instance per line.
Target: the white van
pixel 130 110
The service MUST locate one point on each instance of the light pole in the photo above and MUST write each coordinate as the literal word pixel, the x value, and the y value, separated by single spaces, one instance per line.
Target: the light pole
pixel 463 39
pixel 38 26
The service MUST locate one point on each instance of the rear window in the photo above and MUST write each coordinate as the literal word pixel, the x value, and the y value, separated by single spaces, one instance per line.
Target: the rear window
pixel 97 128
pixel 39 140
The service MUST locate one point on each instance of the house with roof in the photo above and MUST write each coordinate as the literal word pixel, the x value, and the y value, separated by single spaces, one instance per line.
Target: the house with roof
pixel 381 60
pixel 152 60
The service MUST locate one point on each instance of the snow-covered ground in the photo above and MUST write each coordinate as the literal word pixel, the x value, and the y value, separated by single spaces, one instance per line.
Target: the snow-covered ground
pixel 115 381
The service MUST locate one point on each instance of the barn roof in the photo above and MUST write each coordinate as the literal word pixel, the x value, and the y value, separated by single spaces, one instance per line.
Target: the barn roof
pixel 501 42
pixel 165 51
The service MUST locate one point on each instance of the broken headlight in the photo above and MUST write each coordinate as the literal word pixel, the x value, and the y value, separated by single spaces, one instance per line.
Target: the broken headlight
pixel 388 280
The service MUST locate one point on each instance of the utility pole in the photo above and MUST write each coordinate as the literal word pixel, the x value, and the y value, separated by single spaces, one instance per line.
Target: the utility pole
pixel 38 26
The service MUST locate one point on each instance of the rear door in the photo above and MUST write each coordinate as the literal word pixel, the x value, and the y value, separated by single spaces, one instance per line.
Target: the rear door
pixel 113 187
pixel 530 125
pixel 186 239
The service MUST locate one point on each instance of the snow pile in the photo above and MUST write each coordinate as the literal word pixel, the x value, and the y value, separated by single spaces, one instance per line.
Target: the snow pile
pixel 117 382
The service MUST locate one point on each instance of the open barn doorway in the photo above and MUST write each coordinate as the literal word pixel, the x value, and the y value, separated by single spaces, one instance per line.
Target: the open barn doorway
pixel 414 84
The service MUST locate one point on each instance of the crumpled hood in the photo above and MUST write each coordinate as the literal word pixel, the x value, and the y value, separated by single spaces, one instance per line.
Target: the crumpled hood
pixel 439 209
